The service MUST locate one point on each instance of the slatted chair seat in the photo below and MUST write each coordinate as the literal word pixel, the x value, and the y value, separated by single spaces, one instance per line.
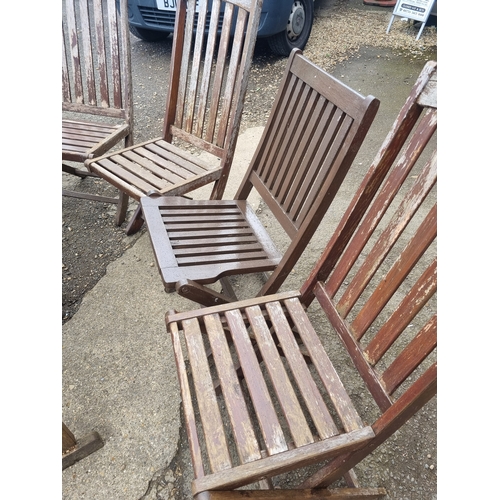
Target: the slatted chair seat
pixel 84 139
pixel 208 80
pixel 266 393
pixel 312 136
pixel 96 87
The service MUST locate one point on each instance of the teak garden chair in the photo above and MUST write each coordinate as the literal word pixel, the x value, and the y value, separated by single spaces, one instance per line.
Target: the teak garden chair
pixel 208 80
pixel 96 85
pixel 271 401
pixel 315 129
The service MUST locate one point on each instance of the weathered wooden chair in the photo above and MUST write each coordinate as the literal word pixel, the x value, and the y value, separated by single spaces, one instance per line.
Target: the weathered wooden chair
pixel 271 401
pixel 315 129
pixel 208 80
pixel 96 86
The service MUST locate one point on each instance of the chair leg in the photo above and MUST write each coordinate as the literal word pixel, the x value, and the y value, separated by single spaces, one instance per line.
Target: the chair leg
pixel 121 210
pixel 135 223
pixel 200 294
pixel 73 450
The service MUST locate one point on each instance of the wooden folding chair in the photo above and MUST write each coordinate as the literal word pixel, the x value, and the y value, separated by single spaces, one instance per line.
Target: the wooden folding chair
pixel 272 400
pixel 96 86
pixel 315 129
pixel 208 80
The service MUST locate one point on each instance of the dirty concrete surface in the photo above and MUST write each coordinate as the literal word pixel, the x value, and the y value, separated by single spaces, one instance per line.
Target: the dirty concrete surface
pixel 118 375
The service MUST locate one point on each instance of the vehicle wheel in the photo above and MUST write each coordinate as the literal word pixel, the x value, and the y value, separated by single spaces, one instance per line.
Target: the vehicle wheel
pixel 297 31
pixel 148 35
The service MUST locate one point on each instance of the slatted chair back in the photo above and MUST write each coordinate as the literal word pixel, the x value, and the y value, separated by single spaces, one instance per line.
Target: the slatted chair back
pixel 314 131
pixel 209 76
pixel 96 77
pixel 380 297
pixel 261 395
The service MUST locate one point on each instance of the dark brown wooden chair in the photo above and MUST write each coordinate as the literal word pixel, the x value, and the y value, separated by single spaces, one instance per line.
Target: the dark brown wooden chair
pixel 315 129
pixel 96 86
pixel 208 80
pixel 275 396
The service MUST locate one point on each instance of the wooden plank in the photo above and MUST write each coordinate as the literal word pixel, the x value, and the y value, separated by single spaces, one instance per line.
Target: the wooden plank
pixel 283 388
pixel 115 55
pixel 75 52
pixel 284 462
pixel 366 371
pixel 66 88
pixel 411 357
pixel 87 57
pixel 220 309
pixel 101 55
pixel 189 414
pixel 313 399
pixel 333 384
pixel 245 439
pixel 268 419
pixel 210 416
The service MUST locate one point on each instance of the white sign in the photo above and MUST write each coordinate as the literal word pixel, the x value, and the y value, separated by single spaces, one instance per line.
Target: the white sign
pixel 418 10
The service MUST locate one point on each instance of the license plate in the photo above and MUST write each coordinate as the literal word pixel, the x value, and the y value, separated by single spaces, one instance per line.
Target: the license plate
pixel 171 5
pixel 166 4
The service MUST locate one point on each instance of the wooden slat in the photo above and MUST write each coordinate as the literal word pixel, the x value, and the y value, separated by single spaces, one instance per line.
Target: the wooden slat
pixel 66 88
pixel 411 357
pixel 268 420
pixel 245 439
pixel 409 307
pixel 318 410
pixel 283 389
pixel 115 55
pixel 101 56
pixel 75 52
pixel 88 57
pixel 284 462
pixel 213 426
pixel 366 371
pixel 400 269
pixel 189 414
pixel 345 409
pixel 400 219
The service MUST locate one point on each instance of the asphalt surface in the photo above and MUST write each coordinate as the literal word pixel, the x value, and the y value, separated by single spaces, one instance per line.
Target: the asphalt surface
pixel 119 376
